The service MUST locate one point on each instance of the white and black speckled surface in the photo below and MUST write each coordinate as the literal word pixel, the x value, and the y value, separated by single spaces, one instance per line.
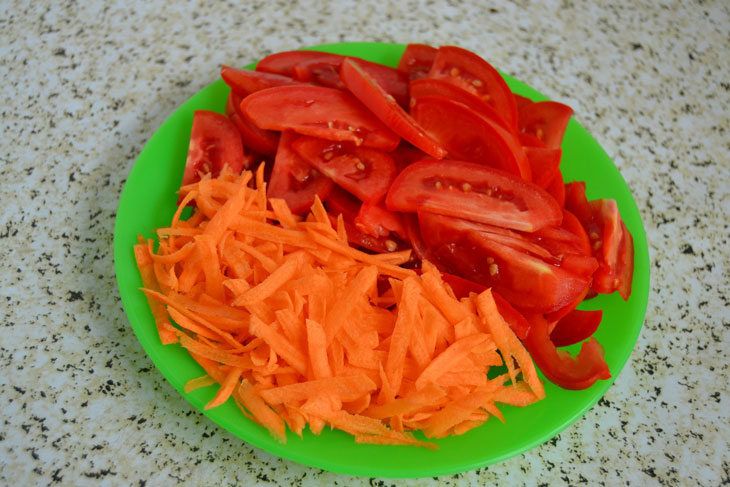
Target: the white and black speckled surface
pixel 83 88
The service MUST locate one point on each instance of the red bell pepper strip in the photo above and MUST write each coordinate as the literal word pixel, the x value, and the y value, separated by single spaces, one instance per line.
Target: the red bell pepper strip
pixel 579 372
pixel 575 327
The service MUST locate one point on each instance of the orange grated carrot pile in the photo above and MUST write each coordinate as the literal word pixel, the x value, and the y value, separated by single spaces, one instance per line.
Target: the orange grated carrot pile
pixel 302 330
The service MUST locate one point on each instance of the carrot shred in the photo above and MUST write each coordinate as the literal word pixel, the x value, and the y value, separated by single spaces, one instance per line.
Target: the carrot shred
pixel 301 329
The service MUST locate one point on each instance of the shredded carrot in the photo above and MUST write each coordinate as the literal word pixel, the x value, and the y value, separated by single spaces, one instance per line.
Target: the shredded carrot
pixel 302 330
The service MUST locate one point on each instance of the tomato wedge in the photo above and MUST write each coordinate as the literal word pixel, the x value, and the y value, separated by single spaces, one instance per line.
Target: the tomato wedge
pixel 556 188
pixel 468 136
pixel 568 372
pixel 438 87
pixel 293 180
pixel 245 81
pixel 417 60
pixel 340 202
pixel 527 281
pixel 321 112
pixel 384 106
pixel 261 141
pixel 366 173
pixel 546 120
pixel 544 164
pixel 472 73
pixel 473 192
pixel 375 220
pixel 323 68
pixel 214 143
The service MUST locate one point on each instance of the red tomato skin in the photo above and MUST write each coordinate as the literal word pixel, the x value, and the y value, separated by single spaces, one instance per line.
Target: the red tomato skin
pixel 438 87
pixel 577 203
pixel 324 68
pixel 364 172
pixel 214 142
pixel 317 111
pixel 472 73
pixel 544 164
pixel 547 120
pixel 521 101
pixel 468 136
pixel 556 188
pixel 288 183
pixel 575 327
pixel 626 264
pixel 375 220
pixel 261 141
pixel 526 281
pixel 524 206
pixel 342 202
pixel 574 373
pixel 245 81
pixel 417 60
pixel 385 107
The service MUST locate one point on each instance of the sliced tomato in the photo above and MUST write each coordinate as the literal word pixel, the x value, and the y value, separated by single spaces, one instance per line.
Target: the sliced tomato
pixel 577 203
pixel 572 224
pixel 246 81
pixel 521 101
pixel 416 60
pixel 575 327
pixel 519 324
pixel 261 141
pixel 405 154
pixel 438 87
pixel 528 282
pixel 341 202
pixel 528 140
pixel 556 188
pixel 568 372
pixel 214 143
pixel 294 180
pixel 363 240
pixel 613 248
pixel 546 120
pixel 324 68
pixel 626 263
pixel 366 173
pixel 413 232
pixel 375 220
pixel 472 73
pixel 385 107
pixel 321 112
pixel 472 192
pixel 468 136
pixel 544 164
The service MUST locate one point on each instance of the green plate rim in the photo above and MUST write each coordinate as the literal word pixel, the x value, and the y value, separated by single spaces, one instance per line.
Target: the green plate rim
pixel 138 207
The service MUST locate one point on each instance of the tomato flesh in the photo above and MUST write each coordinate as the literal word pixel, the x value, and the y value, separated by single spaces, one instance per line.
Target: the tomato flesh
pixel 293 179
pixel 438 87
pixel 472 192
pixel 245 81
pixel 546 120
pixel 366 173
pixel 384 106
pixel 472 73
pixel 544 164
pixel 528 282
pixel 417 60
pixel 468 136
pixel 317 111
pixel 214 143
pixel 259 140
pixel 323 68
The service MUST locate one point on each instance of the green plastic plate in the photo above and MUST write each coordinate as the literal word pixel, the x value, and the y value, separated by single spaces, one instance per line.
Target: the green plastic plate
pixel 148 201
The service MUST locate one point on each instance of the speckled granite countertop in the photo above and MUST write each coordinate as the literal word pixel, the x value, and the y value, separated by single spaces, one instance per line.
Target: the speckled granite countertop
pixel 83 88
